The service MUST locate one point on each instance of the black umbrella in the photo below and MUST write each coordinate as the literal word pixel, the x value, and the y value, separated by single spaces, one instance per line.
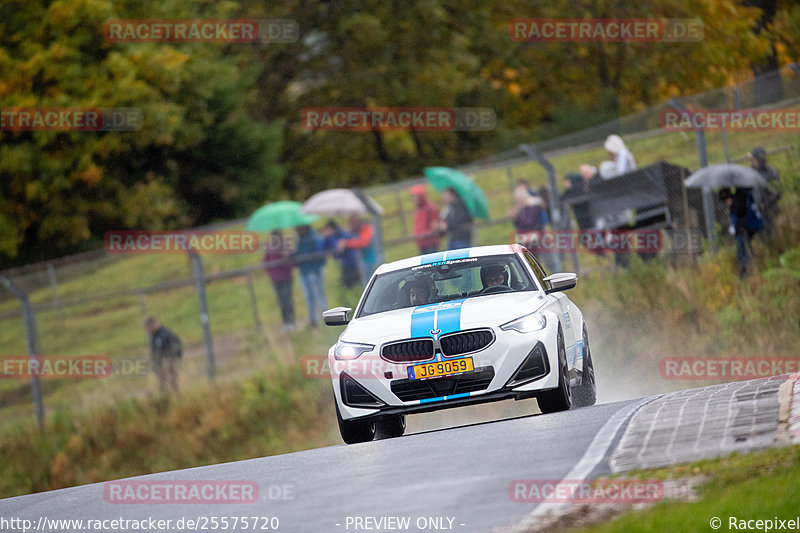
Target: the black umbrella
pixel 724 176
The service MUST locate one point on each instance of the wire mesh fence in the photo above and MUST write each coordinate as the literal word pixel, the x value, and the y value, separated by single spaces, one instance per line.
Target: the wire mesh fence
pixel 95 303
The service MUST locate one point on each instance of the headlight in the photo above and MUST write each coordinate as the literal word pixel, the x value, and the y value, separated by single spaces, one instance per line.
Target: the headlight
pixel 526 324
pixel 350 350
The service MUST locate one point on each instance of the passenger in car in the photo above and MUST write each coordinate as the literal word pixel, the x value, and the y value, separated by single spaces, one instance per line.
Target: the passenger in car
pixel 413 293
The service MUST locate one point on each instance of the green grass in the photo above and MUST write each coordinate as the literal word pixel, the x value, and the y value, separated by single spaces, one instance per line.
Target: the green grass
pixel 270 412
pixel 760 485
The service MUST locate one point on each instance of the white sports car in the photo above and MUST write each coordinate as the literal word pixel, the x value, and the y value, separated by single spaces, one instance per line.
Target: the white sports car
pixel 456 328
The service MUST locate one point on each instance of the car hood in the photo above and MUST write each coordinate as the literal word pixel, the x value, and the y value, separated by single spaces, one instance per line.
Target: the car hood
pixel 482 311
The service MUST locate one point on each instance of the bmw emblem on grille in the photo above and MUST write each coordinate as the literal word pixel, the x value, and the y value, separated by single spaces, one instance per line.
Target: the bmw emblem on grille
pixel 435 331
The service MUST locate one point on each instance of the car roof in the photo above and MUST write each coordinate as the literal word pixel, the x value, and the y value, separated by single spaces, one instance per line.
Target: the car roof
pixel 475 251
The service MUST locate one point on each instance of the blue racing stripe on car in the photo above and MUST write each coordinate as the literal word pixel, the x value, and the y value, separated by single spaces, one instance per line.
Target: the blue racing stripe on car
pixel 448 319
pixel 443 316
pixel 461 253
pixel 444 398
pixel 435 257
pixel 422 320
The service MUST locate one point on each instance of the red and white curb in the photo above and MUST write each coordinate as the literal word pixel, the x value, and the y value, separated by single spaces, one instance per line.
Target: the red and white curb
pixel 794 415
pixel 789 400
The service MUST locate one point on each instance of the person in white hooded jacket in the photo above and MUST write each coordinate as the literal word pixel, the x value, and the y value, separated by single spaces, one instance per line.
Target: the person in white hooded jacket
pixel 619 153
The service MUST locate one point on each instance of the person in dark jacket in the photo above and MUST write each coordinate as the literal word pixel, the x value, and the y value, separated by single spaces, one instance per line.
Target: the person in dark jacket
pixel 455 221
pixel 332 233
pixel 165 352
pixel 310 260
pixel 278 264
pixel 527 211
pixel 744 223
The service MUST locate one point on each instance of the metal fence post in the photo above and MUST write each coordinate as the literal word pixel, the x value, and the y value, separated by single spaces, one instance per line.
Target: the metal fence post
pixel 143 304
pixel 254 302
pixel 31 337
pixel 51 273
pixel 708 199
pixel 399 199
pixel 200 287
pixel 559 219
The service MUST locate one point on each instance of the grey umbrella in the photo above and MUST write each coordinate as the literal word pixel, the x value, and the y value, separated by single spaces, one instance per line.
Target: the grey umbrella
pixel 334 202
pixel 725 175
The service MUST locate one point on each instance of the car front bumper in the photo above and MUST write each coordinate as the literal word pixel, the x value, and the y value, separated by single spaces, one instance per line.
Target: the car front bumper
pixel 503 359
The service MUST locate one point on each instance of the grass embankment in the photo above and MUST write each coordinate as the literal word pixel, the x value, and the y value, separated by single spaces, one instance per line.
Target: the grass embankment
pixel 275 409
pixel 762 485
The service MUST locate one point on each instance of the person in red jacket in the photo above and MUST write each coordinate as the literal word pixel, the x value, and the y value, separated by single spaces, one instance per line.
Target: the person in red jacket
pixel 363 240
pixel 426 214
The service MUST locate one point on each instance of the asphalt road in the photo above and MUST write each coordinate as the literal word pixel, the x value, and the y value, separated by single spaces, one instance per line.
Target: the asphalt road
pixel 456 479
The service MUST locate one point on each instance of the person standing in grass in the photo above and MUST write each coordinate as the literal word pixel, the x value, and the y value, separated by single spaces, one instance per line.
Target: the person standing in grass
pixel 426 215
pixel 332 233
pixel 310 259
pixel 363 240
pixel 455 220
pixel 745 221
pixel 165 352
pixel 278 264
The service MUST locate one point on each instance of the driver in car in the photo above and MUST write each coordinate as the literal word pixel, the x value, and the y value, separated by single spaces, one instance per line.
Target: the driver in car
pixel 494 275
pixel 418 292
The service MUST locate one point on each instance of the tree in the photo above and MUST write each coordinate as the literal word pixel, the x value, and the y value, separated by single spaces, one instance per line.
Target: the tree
pixel 199 155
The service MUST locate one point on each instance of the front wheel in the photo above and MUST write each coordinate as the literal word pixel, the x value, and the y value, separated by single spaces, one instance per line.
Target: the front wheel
pixel 559 399
pixel 355 431
pixel 586 393
pixel 389 427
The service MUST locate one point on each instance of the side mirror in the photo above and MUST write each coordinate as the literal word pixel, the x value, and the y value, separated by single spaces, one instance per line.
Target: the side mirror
pixel 561 281
pixel 336 316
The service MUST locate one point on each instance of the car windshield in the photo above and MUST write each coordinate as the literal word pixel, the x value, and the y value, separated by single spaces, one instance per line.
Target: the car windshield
pixel 446 280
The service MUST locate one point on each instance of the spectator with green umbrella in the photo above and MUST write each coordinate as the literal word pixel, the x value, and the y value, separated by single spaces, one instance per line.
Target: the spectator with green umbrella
pixel 278 256
pixel 470 193
pixel 464 200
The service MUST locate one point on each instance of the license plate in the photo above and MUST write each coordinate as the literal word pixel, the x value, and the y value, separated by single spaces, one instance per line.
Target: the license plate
pixel 442 368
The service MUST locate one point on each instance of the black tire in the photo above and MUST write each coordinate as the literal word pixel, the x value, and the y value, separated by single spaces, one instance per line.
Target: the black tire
pixel 355 431
pixel 389 427
pixel 586 393
pixel 559 399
